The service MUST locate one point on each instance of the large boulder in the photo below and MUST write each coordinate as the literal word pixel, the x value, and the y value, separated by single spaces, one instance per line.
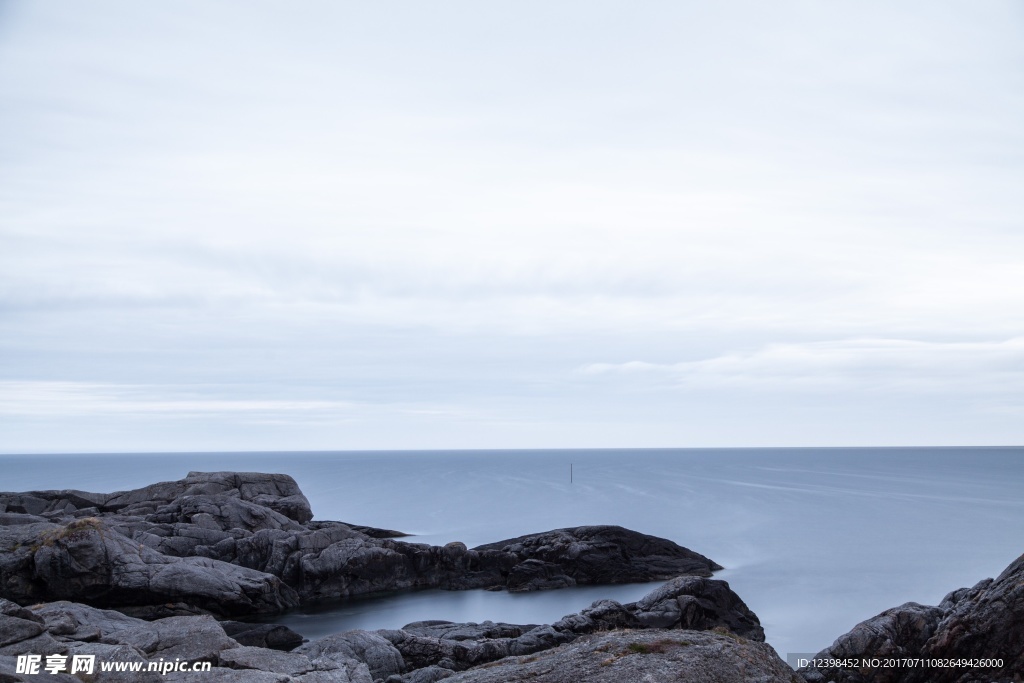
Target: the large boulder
pixel 86 560
pixel 379 655
pixel 692 602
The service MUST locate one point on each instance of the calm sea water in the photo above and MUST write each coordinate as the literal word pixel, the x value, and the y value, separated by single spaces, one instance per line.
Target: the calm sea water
pixel 814 540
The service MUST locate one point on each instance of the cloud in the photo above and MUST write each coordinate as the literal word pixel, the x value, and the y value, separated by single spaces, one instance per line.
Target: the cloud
pixel 60 400
pixel 460 205
pixel 70 399
pixel 847 364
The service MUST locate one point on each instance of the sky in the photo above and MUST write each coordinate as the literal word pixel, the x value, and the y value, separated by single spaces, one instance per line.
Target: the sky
pixel 350 225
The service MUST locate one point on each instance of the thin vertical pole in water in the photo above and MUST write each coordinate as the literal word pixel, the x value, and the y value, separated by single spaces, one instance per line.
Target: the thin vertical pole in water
pixel 570 473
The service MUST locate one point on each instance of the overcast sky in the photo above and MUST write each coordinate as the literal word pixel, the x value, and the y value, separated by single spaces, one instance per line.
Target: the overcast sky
pixel 246 225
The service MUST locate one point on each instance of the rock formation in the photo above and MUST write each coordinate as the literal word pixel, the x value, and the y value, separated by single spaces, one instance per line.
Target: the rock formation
pixel 176 559
pixel 699 630
pixel 230 544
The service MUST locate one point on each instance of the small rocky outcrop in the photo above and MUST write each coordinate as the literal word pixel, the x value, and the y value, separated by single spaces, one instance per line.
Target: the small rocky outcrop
pixel 381 657
pixel 596 555
pixel 699 604
pixel 982 622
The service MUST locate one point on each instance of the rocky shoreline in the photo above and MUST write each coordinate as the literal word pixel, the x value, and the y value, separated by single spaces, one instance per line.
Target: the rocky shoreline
pixel 163 572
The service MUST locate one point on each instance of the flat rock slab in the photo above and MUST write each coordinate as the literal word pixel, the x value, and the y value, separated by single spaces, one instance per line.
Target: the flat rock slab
pixel 642 656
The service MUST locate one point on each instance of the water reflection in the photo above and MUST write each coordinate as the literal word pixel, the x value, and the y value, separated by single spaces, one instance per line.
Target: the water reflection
pixel 398 609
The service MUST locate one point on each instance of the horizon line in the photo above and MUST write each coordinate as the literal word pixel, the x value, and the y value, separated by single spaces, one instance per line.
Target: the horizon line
pixel 510 450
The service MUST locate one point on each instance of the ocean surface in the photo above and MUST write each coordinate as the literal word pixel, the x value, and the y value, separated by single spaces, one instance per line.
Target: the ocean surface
pixel 814 540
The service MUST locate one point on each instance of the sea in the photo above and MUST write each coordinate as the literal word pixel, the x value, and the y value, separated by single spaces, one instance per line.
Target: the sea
pixel 814 540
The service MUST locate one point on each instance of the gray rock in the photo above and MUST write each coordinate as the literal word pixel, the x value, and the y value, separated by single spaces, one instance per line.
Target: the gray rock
pixel 898 632
pixel 88 561
pixel 221 513
pixel 986 621
pixel 372 532
pixel 9 666
pixel 708 604
pixel 422 651
pixel 224 675
pixel 237 544
pixel 115 653
pixel 11 609
pixel 430 674
pixel 608 615
pixel 262 659
pixel 541 638
pixel 381 657
pixel 16 519
pixel 17 548
pixel 448 630
pixel 83 623
pixel 649 655
pixel 43 643
pixel 17 623
pixel 191 639
pixel 606 554
pixel 273 636
pixel 278 492
pixel 25 503
pixel 699 604
pixel 161 611
pixel 350 671
pixel 159 545
pixel 534 575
